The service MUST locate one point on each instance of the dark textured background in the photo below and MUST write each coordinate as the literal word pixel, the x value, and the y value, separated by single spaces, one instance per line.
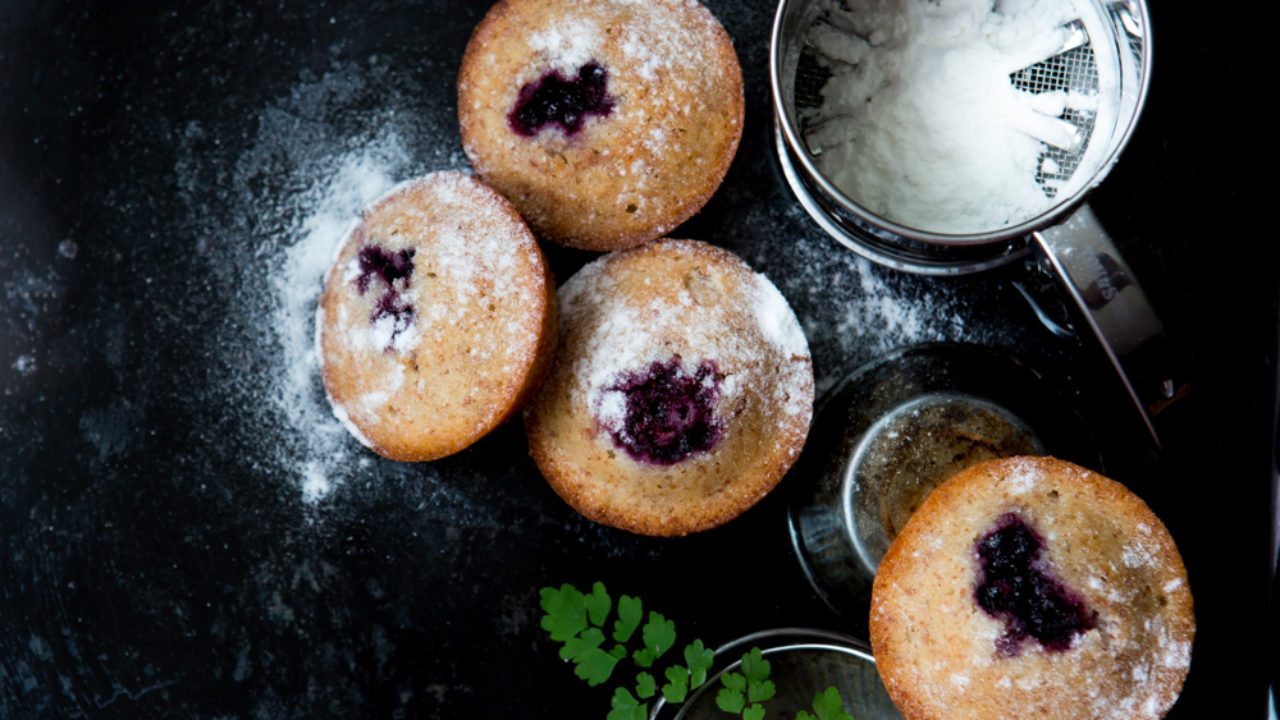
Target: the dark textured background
pixel 157 558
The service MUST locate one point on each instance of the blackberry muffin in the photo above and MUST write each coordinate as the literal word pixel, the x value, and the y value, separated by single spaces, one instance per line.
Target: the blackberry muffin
pixel 606 123
pixel 1031 587
pixel 437 319
pixel 680 394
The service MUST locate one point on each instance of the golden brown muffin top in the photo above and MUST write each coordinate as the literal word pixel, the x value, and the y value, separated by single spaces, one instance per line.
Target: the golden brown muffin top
pixel 1032 587
pixel 666 88
pixel 438 315
pixel 681 392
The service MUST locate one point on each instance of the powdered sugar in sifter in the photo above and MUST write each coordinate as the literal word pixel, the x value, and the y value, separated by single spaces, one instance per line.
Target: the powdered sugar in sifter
pixel 945 137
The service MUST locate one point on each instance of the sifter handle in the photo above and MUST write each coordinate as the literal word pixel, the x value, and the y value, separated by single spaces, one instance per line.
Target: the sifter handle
pixel 1102 286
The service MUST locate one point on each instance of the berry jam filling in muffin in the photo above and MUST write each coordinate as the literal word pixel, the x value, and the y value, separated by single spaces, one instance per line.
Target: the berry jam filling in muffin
pixel 391 268
pixel 1086 611
pixel 437 319
pixel 607 123
pixel 1015 587
pixel 665 414
pixel 553 98
pixel 680 394
pixel 387 266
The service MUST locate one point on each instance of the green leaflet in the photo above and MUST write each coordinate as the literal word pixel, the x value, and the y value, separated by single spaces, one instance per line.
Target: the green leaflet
pixel 626 707
pixel 699 659
pixel 630 612
pixel 566 612
pixel 598 604
pixel 577 620
pixel 646 685
pixel 677 687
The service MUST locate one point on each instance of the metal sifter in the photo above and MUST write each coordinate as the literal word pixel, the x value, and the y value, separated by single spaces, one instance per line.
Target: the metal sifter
pixel 1102 51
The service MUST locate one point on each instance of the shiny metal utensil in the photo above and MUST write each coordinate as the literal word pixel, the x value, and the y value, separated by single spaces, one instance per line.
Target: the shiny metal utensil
pixel 1106 54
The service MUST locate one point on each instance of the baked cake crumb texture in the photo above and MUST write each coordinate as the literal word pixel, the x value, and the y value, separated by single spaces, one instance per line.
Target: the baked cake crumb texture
pixel 606 123
pixel 681 393
pixel 1032 587
pixel 627 338
pixel 437 315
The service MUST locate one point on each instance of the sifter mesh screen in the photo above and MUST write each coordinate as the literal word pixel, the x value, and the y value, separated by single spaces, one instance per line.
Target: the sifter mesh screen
pixel 1073 69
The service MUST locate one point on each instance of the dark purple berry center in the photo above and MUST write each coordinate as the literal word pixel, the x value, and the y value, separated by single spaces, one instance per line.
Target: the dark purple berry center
pixel 553 98
pixel 668 413
pixel 391 268
pixel 1014 586
pixel 387 266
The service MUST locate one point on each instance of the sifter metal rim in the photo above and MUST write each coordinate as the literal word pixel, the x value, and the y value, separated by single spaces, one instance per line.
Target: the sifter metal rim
pixel 790 137
pixel 883 253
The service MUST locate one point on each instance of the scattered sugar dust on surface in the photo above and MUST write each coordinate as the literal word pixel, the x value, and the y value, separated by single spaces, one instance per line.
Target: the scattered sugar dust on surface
pixel 315 158
pixel 339 139
pixel 853 310
pixel 311 160
pixel 318 155
pixel 265 213
pixel 335 525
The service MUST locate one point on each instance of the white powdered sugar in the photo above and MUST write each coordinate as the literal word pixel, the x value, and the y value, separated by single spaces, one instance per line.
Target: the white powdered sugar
pixel 287 196
pixel 778 323
pixel 335 201
pixel 440 279
pixel 662 38
pixel 569 45
pixel 920 121
pixel 700 323
pixel 468 250
pixel 776 319
pixel 622 337
pixel 612 408
pixel 1135 555
pixel 858 311
pixel 649 39
pixel 396 334
pixel 665 69
pixel 1020 483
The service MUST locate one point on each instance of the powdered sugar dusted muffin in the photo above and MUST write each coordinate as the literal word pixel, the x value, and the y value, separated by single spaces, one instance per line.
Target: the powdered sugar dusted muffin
pixel 680 394
pixel 1031 587
pixel 437 319
pixel 607 123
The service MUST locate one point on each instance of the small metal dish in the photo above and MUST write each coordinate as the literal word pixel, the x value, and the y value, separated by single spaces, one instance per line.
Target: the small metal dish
pixel 804 662
pixel 896 428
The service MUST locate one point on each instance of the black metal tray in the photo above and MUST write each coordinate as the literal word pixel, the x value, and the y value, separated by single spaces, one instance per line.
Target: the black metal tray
pixel 182 534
